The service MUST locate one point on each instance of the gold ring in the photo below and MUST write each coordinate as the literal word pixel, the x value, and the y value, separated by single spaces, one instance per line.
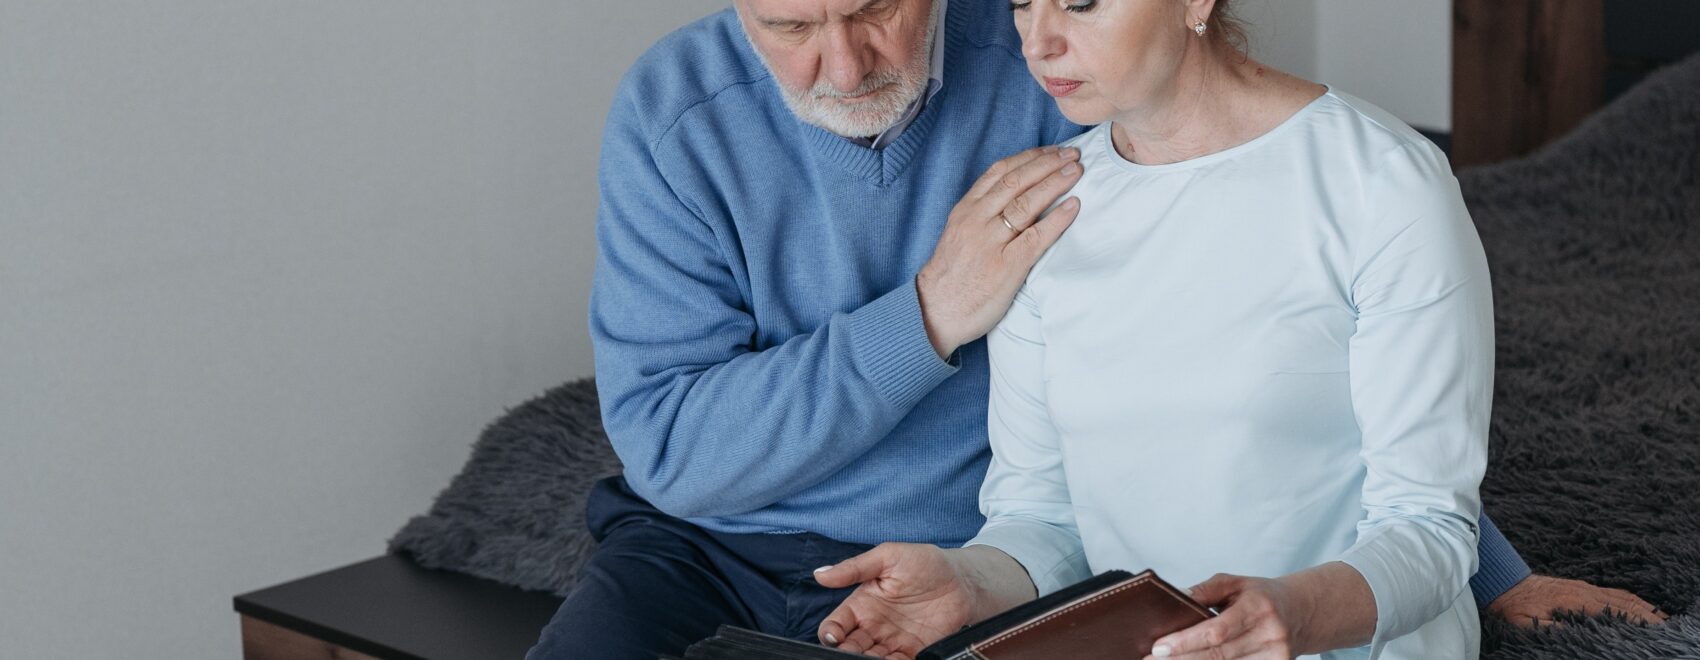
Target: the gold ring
pixel 1005 220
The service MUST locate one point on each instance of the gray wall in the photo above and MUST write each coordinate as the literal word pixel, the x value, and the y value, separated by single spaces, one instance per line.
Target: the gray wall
pixel 1394 53
pixel 1282 33
pixel 266 268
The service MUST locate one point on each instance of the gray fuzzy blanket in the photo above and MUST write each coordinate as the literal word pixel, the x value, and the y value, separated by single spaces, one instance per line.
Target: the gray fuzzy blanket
pixel 1595 464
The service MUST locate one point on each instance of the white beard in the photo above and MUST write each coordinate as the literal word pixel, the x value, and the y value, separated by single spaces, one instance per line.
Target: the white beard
pixel 822 105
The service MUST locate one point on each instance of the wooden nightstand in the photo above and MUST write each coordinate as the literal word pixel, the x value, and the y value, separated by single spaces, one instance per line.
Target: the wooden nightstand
pixel 391 608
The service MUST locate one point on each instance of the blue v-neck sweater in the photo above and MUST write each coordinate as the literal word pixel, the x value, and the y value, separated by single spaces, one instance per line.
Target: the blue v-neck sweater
pixel 760 354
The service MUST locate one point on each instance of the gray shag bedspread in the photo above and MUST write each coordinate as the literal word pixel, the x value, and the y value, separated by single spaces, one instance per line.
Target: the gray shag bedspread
pixel 1594 470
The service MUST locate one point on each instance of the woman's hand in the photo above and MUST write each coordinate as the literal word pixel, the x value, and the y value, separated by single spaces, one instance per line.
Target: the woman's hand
pixel 1259 622
pixel 910 596
pixel 1276 618
pixel 913 595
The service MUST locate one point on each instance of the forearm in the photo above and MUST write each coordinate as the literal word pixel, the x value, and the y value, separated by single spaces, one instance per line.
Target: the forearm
pixel 747 431
pixel 1340 604
pixel 997 581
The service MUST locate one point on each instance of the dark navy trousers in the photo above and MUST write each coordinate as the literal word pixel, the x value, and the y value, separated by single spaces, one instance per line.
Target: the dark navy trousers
pixel 656 584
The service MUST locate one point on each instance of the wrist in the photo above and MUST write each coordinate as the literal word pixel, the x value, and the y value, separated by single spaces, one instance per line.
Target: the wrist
pixel 1305 611
pixel 993 580
pixel 1334 608
pixel 932 320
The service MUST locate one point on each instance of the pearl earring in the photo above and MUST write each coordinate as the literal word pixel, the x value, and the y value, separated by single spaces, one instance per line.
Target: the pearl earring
pixel 1199 27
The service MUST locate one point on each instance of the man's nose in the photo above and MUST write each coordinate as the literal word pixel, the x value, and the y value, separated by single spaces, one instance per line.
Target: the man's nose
pixel 846 58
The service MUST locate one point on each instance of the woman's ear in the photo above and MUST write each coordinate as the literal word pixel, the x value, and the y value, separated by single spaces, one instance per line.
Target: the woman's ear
pixel 1198 11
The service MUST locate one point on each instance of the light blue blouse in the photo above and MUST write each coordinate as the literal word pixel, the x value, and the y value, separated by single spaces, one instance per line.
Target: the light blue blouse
pixel 1255 362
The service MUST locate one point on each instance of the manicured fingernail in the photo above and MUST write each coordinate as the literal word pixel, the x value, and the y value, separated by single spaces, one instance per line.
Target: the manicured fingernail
pixel 823 568
pixel 1070 168
pixel 1072 201
pixel 1161 651
pixel 1071 153
pixel 831 640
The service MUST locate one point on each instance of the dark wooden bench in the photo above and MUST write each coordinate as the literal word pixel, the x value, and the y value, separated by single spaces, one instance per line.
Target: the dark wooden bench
pixel 390 608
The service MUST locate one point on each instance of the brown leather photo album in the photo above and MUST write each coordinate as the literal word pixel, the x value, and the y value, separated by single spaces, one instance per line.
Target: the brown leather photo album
pixel 1113 615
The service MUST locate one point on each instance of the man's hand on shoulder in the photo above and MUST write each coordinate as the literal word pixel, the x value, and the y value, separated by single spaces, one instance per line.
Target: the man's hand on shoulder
pixel 991 241
pixel 1531 603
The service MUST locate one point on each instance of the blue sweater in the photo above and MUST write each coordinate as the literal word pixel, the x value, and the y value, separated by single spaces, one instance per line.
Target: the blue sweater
pixel 759 348
pixel 760 355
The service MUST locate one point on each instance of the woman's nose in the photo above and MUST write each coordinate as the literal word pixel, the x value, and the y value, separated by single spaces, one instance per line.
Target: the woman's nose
pixel 845 58
pixel 1040 39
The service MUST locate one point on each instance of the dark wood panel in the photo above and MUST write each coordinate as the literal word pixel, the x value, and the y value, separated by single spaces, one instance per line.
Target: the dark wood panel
pixel 265 641
pixel 1523 72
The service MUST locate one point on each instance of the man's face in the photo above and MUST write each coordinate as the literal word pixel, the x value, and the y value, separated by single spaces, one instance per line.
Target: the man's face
pixel 849 66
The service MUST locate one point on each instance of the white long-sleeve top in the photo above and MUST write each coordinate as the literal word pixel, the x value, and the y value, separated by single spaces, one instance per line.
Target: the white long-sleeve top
pixel 1254 362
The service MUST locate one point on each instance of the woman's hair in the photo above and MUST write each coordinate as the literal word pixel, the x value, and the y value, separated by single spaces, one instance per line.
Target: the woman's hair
pixel 1224 25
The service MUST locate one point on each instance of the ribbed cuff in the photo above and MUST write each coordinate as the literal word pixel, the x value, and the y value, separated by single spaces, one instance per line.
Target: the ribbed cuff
pixel 1053 557
pixel 892 347
pixel 1500 567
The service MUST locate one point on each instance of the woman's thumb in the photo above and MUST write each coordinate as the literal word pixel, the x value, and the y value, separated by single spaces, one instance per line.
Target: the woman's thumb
pixel 864 567
pixel 1215 590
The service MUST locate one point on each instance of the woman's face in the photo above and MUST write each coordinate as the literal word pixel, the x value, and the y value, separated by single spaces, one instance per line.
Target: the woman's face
pixel 1102 59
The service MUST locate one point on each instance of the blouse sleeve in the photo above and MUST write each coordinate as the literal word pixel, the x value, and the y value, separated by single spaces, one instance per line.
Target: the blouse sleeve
pixel 1421 385
pixel 1025 497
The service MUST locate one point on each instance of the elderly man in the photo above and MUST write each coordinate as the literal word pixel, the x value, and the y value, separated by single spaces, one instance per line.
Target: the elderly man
pixel 798 258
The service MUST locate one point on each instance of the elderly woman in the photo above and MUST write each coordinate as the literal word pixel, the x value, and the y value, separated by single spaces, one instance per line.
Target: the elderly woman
pixel 1261 360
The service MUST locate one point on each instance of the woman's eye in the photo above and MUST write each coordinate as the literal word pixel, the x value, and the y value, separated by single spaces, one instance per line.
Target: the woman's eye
pixel 1076 7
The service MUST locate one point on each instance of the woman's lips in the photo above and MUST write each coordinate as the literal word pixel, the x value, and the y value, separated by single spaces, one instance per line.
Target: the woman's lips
pixel 1060 87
